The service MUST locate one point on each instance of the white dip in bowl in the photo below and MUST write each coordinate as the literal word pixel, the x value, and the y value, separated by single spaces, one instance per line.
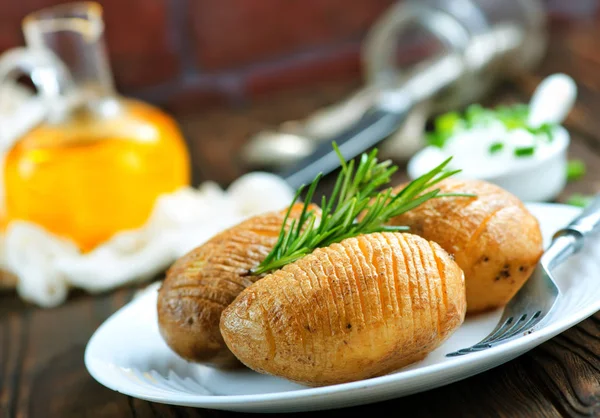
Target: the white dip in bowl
pixel 521 148
pixel 539 176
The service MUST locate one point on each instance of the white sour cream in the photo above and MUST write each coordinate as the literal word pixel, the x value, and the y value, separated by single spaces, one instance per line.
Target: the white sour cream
pixel 470 151
pixel 538 177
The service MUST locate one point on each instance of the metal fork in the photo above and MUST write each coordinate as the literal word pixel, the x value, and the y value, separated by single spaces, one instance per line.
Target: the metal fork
pixel 536 299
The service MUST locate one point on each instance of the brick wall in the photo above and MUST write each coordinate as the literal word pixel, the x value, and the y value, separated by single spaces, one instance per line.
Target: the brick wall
pixel 192 52
pixel 187 53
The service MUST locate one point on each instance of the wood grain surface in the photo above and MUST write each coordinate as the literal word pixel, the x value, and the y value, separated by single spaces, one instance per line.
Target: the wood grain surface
pixel 42 374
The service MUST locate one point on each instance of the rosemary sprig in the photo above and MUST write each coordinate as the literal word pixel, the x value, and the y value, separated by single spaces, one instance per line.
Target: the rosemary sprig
pixel 355 192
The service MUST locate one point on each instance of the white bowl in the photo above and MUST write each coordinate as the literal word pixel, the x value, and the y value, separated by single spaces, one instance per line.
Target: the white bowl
pixel 533 179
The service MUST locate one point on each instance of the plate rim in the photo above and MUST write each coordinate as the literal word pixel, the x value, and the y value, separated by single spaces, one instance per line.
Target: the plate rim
pixel 508 350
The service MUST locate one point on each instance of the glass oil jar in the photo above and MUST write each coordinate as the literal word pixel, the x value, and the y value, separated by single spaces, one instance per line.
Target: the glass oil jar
pixel 98 161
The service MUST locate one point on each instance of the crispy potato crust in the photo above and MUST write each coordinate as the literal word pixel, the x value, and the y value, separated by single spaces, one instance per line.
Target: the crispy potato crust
pixel 494 238
pixel 202 283
pixel 358 309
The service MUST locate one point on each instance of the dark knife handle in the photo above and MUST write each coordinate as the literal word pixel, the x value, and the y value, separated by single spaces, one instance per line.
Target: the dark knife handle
pixel 372 128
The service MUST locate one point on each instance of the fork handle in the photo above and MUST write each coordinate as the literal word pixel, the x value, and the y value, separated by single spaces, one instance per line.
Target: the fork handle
pixel 586 223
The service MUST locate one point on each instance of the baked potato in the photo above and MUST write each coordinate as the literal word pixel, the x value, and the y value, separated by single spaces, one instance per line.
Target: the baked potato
pixel 494 239
pixel 357 309
pixel 199 285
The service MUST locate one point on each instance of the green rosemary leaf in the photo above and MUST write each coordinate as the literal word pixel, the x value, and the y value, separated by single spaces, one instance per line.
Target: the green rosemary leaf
pixel 281 237
pixel 442 176
pixel 355 194
pixel 456 195
pixel 304 237
pixel 346 174
pixel 395 211
pixel 308 199
pixel 393 228
pixel 343 162
pixel 422 182
pixel 286 238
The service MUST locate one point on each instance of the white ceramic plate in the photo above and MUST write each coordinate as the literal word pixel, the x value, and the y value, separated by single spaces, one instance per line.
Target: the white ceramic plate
pixel 128 355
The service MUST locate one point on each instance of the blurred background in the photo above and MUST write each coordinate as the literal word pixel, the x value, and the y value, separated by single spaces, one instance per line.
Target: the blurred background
pixel 230 68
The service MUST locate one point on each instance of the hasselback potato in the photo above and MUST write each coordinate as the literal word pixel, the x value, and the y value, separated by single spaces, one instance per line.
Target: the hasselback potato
pixel 202 283
pixel 493 237
pixel 356 309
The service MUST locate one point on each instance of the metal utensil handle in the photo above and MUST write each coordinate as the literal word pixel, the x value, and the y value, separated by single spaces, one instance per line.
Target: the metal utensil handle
pixel 584 224
pixel 373 127
pixel 569 240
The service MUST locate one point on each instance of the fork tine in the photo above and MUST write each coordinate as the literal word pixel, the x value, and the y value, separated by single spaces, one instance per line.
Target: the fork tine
pixel 513 326
pixel 460 352
pixel 497 331
pixel 530 322
pixel 501 334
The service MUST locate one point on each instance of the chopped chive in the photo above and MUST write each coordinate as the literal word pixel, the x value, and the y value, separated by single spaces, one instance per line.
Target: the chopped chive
pixel 575 170
pixel 545 130
pixel 513 117
pixel 524 151
pixel 478 115
pixel 436 139
pixel 496 147
pixel 447 122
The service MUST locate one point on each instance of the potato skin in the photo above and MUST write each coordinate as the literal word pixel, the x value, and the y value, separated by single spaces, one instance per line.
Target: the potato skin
pixel 494 238
pixel 202 283
pixel 354 310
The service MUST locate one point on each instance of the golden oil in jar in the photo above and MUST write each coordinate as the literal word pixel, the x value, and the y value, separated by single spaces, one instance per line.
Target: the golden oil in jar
pixel 88 177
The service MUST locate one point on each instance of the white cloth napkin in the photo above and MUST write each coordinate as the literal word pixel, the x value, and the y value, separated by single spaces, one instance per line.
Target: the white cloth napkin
pixel 47 265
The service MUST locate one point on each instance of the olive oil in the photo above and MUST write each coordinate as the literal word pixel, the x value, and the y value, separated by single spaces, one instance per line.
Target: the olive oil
pixel 89 177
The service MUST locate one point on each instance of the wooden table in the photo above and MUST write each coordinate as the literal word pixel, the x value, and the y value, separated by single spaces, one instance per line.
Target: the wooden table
pixel 41 351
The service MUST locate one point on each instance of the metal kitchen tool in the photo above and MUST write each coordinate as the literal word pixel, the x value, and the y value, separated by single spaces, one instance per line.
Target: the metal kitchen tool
pixel 534 301
pixel 463 48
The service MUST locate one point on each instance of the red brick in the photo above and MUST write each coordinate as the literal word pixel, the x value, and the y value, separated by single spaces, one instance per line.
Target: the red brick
pixel 136 34
pixel 11 16
pixel 344 64
pixel 189 99
pixel 132 71
pixel 230 33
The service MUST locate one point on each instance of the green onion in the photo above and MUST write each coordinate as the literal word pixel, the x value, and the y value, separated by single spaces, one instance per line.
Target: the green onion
pixel 474 113
pixel 575 170
pixel 545 130
pixel 436 140
pixel 524 151
pixel 496 147
pixel 447 123
pixel 512 117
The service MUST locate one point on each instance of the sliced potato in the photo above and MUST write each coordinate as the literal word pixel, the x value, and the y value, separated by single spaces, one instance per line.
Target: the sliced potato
pixel 493 238
pixel 358 309
pixel 202 283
